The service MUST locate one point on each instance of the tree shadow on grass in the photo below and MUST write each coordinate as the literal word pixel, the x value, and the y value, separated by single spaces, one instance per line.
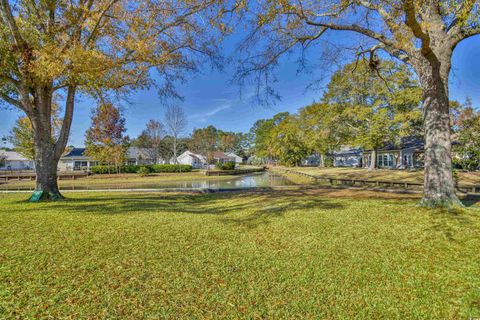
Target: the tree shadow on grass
pixel 248 209
pixel 276 205
pixel 472 201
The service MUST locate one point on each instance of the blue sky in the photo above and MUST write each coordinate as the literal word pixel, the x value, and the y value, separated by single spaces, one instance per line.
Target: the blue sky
pixel 210 98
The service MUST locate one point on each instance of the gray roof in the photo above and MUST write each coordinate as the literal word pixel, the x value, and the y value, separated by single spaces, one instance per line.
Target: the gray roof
pixel 411 142
pixel 136 153
pixel 75 152
pixel 348 152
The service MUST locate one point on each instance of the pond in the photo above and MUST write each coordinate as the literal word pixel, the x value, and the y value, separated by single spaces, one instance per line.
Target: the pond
pixel 260 179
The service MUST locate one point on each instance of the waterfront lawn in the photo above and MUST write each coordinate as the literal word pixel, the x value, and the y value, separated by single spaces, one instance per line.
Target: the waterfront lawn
pixel 465 178
pixel 290 254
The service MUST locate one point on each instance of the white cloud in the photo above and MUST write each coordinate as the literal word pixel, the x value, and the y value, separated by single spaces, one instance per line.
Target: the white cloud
pixel 203 117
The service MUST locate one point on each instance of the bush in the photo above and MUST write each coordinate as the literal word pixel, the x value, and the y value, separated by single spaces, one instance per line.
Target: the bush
pixel 102 169
pixel 143 171
pixel 157 168
pixel 229 166
pixel 225 166
pixel 132 169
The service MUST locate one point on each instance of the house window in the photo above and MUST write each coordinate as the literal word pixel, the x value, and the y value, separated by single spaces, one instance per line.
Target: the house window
pixel 407 160
pixel 78 165
pixel 385 160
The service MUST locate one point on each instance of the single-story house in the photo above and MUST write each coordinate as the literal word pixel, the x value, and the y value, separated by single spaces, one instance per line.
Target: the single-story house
pixel 14 161
pixel 238 159
pixel 219 156
pixel 311 161
pixel 76 159
pixel 408 154
pixel 347 157
pixel 197 161
pixel 139 156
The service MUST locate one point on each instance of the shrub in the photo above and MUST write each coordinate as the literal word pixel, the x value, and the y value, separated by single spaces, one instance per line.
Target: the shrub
pixel 132 168
pixel 158 168
pixel 225 166
pixel 102 169
pixel 328 162
pixel 228 166
pixel 143 171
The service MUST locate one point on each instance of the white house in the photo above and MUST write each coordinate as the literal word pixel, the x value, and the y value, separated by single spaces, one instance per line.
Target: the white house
pixel 11 160
pixel 195 160
pixel 238 159
pixel 76 159
pixel 347 157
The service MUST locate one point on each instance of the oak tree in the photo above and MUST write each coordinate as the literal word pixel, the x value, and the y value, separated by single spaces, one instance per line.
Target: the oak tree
pixel 421 33
pixel 96 48
pixel 374 108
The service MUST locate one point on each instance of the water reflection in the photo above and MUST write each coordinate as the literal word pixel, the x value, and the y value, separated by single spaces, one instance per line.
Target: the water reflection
pixel 261 179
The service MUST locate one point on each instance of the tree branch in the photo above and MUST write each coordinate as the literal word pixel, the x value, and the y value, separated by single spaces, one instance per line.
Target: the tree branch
pixel 9 20
pixel 412 23
pixel 460 17
pixel 353 27
pixel 11 100
pixel 62 140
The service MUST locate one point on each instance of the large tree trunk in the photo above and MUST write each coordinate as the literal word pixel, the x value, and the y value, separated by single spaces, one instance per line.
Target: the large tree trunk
pixel 46 170
pixel 47 150
pixel 321 164
pixel 439 185
pixel 373 160
pixel 175 150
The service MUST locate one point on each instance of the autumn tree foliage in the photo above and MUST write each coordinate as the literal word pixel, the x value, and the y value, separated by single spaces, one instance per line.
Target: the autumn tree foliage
pixel 104 140
pixel 204 141
pixel 420 33
pixel 22 135
pixel 96 48
pixel 151 139
pixel 374 108
pixel 467 132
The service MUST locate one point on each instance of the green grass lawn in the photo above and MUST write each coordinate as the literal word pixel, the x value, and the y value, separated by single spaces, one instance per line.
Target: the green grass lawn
pixel 290 254
pixel 465 178
pixel 128 180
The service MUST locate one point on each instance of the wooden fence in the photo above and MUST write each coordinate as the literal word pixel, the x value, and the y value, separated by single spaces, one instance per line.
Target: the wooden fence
pixel 374 183
pixel 30 176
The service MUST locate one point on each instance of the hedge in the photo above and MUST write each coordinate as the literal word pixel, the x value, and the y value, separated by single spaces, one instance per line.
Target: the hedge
pixel 156 168
pixel 225 165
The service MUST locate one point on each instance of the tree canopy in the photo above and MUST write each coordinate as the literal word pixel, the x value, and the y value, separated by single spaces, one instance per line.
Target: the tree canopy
pixel 421 33
pixel 100 48
pixel 105 140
